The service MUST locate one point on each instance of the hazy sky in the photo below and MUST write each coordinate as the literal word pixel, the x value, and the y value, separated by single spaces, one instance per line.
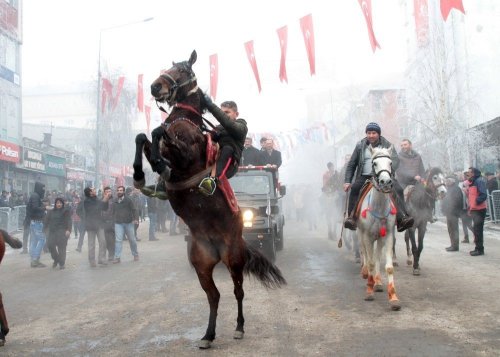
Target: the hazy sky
pixel 61 41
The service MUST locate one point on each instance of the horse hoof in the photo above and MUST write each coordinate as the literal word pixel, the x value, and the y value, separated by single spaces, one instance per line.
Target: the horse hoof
pixel 369 297
pixel 416 272
pixel 378 288
pixel 238 335
pixel 204 344
pixel 395 305
pixel 140 183
pixel 409 262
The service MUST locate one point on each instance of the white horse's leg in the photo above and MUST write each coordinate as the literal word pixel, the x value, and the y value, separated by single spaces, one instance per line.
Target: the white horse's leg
pixel 370 265
pixel 378 256
pixel 389 269
pixel 364 266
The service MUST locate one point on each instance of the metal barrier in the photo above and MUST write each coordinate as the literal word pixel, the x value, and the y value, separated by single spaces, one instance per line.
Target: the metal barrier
pixel 495 202
pixel 11 219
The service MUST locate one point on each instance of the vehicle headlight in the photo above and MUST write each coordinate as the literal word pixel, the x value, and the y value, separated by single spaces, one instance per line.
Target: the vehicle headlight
pixel 247 218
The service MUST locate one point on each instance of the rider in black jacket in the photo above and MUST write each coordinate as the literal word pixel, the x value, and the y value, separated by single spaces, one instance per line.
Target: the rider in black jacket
pixel 360 164
pixel 231 136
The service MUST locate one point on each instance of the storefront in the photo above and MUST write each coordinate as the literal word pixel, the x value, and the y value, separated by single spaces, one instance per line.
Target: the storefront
pixel 9 156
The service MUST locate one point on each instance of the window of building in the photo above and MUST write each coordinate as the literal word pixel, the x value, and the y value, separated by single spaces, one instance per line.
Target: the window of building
pixel 8 53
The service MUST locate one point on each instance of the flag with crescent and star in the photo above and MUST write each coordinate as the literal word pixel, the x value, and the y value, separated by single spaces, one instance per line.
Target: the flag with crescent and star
pixel 283 37
pixel 366 7
pixel 140 93
pixel 447 5
pixel 253 62
pixel 306 25
pixel 421 12
pixel 214 75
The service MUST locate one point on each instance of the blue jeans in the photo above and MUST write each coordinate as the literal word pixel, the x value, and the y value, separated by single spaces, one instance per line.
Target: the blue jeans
pixel 153 217
pixel 37 239
pixel 120 230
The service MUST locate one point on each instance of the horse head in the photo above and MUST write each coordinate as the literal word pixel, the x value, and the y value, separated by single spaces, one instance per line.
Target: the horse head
pixel 436 182
pixel 382 168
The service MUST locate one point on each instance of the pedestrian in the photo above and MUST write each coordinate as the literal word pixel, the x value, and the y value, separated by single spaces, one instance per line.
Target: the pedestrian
pixel 453 207
pixel 162 215
pixel 174 220
pixel 35 210
pixel 360 168
pixel 80 212
pixel 109 225
pixel 465 217
pixel 94 225
pixel 491 185
pixel 251 156
pixel 477 207
pixel 75 218
pixel 57 225
pixel 134 195
pixel 153 216
pixel 125 216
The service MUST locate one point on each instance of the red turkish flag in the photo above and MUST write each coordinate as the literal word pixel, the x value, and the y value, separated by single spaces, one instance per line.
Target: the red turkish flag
pixel 447 5
pixel 118 92
pixel 214 75
pixel 366 7
pixel 140 94
pixel 107 92
pixel 253 62
pixel 283 37
pixel 306 24
pixel 147 112
pixel 421 11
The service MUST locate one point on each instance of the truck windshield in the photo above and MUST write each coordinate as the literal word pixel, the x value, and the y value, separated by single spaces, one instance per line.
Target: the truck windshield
pixel 253 185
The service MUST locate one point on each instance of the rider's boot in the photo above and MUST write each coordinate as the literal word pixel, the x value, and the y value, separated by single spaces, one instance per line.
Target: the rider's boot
pixel 350 223
pixel 157 191
pixel 403 221
pixel 207 186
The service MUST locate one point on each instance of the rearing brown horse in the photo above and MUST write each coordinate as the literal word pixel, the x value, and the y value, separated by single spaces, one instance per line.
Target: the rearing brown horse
pixel 14 243
pixel 178 153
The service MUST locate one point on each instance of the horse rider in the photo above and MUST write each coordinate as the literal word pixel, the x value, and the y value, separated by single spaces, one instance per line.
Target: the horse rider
pixel 411 167
pixel 361 165
pixel 230 135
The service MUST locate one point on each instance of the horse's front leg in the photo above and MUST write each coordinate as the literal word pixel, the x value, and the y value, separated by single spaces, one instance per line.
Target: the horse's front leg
pixel 389 269
pixel 158 163
pixel 421 234
pixel 414 251
pixel 140 141
pixel 409 256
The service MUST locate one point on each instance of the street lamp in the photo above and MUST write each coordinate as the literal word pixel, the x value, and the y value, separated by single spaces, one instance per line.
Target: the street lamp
pixel 98 111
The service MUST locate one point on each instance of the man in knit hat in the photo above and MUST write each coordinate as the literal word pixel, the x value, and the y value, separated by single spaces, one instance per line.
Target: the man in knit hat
pixel 360 167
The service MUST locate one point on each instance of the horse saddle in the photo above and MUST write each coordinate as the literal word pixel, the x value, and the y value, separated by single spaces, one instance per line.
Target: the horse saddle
pixel 223 181
pixel 362 194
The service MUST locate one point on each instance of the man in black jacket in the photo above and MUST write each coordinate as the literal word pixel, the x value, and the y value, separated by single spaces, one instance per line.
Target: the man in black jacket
pixel 361 165
pixel 453 207
pixel 35 211
pixel 270 156
pixel 94 224
pixel 125 215
pixel 251 155
pixel 230 135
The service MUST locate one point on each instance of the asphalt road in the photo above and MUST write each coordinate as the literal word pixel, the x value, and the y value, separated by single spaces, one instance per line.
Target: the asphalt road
pixel 155 307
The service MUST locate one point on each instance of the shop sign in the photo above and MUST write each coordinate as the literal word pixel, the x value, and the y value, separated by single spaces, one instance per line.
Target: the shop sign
pixel 55 165
pixel 33 160
pixel 9 152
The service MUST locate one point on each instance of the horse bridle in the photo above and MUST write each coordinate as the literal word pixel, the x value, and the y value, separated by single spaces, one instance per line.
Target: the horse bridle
pixel 174 86
pixel 376 176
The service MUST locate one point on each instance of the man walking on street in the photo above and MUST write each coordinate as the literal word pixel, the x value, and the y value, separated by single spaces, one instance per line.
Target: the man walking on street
pixel 477 207
pixel 153 216
pixel 35 210
pixel 94 225
pixel 125 215
pixel 109 224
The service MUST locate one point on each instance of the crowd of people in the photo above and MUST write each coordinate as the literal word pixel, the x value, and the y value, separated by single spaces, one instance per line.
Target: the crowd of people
pixel 106 218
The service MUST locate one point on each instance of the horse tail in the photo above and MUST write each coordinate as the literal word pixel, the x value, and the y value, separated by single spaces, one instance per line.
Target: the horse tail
pixel 261 268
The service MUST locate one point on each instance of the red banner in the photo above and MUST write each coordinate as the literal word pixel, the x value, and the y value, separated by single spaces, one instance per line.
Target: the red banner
pixel 421 11
pixel 214 75
pixel 306 24
pixel 366 7
pixel 253 62
pixel 147 112
pixel 140 94
pixel 9 152
pixel 107 92
pixel 118 92
pixel 283 37
pixel 447 5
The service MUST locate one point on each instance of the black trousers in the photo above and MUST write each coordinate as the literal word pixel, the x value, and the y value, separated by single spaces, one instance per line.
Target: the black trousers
pixel 452 224
pixel 57 246
pixel 109 235
pixel 398 195
pixel 226 154
pixel 478 226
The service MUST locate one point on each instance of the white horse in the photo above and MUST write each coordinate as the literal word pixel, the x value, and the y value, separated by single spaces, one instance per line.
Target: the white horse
pixel 376 224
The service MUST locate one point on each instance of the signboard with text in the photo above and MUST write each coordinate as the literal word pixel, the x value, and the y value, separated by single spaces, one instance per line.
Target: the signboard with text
pixel 9 152
pixel 33 160
pixel 55 165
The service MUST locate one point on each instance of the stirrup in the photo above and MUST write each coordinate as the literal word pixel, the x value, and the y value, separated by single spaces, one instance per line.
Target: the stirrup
pixel 207 186
pixel 155 192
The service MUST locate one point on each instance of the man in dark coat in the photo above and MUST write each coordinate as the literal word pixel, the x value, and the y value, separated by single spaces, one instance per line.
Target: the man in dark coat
pixel 125 215
pixel 453 208
pixel 57 225
pixel 477 207
pixel 411 167
pixel 35 210
pixel 360 167
pixel 230 135
pixel 94 224
pixel 270 156
pixel 251 155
